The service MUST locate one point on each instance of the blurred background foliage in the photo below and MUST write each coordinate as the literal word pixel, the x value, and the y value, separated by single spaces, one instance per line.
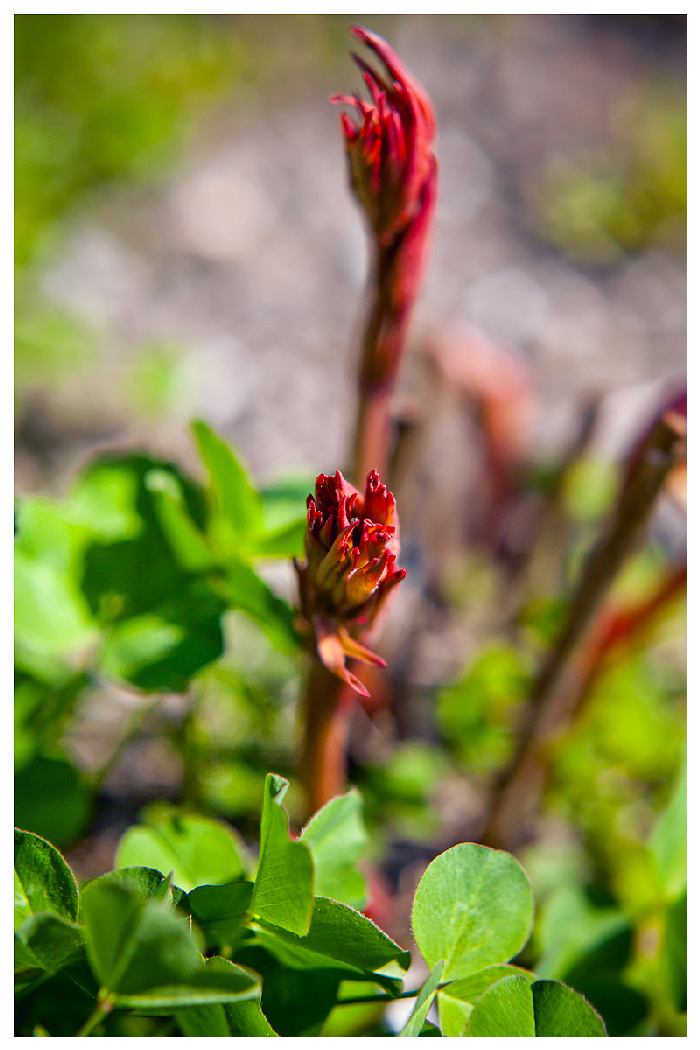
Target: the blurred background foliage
pixel 156 653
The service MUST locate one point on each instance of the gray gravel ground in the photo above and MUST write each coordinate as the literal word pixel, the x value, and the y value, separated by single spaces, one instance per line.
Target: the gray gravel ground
pixel 251 258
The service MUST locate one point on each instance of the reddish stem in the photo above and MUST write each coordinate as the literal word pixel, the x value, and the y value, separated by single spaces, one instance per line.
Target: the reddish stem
pixel 326 710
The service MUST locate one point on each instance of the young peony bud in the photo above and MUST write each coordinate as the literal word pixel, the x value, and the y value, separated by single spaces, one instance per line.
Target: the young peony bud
pixel 351 544
pixel 390 150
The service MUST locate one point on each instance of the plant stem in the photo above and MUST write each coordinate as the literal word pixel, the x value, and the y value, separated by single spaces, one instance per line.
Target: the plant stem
pixel 326 708
pixel 646 476
pixel 103 1008
pixel 410 994
pixel 383 345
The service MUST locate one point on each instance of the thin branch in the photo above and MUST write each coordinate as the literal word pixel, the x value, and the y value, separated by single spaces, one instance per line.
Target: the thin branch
pixel 646 475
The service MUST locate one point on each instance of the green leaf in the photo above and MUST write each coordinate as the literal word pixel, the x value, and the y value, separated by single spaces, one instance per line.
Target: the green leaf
pixel 246 1018
pixel 217 980
pixel 421 1008
pixel 189 544
pixel 294 1001
pixel 506 1009
pixel 243 1018
pixel 220 911
pixel 235 499
pixel 337 839
pixel 245 590
pixel 473 908
pixel 203 1021
pixel 134 944
pixel 52 799
pixel 58 1004
pixel 139 578
pixel 339 938
pixel 669 840
pixel 133 646
pixel 284 542
pixel 560 1011
pixel 50 614
pixel 43 880
pixel 284 499
pixel 283 893
pixel 674 949
pixel 456 1001
pixel 147 883
pixel 515 1007
pixel 52 940
pixel 196 849
pixel 102 501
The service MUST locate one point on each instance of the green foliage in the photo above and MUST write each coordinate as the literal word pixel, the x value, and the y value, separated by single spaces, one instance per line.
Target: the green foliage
pixel 43 880
pixel 291 909
pixel 337 839
pixel 456 1002
pixel 516 1006
pixel 135 944
pixel 196 849
pixel 421 1008
pixel 669 841
pixel 472 909
pixel 52 798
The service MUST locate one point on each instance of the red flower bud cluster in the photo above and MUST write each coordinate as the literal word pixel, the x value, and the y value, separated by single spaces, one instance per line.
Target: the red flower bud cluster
pixel 393 173
pixel 391 160
pixel 351 544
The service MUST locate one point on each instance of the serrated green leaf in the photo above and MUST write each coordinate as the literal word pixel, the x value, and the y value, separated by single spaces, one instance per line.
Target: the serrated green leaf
pixel 43 880
pixel 515 1007
pixel 284 881
pixel 456 1001
pixel 421 1008
pixel 221 911
pixel 196 849
pixel 339 938
pixel 337 839
pixel 236 502
pixel 473 908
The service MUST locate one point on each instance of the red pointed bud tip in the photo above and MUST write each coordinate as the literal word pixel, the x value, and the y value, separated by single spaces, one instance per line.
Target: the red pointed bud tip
pixel 351 543
pixel 390 146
